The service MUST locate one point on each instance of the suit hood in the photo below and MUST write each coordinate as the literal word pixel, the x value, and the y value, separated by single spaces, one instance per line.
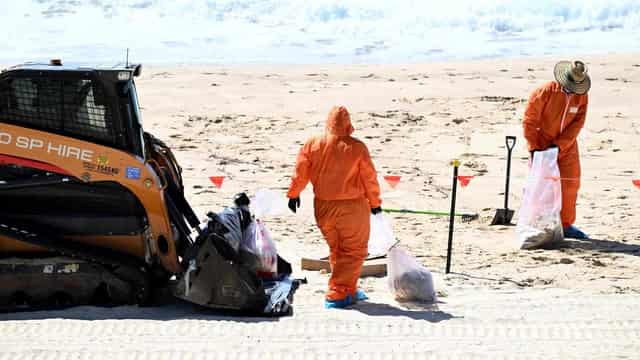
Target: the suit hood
pixel 339 122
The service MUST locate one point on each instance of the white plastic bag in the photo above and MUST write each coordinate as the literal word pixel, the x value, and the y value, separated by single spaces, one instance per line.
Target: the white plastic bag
pixel 539 216
pixel 381 236
pixel 266 249
pixel 407 279
pixel 268 203
pixel 258 241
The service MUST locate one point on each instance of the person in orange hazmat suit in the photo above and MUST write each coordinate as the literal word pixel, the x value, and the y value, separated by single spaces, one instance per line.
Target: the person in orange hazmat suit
pixel 554 117
pixel 346 190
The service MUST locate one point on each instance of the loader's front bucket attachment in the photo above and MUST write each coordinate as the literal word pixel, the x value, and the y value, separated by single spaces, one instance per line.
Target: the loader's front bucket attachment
pixel 216 281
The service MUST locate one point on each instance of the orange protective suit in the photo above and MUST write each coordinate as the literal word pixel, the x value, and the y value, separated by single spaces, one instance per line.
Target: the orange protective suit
pixel 346 187
pixel 555 117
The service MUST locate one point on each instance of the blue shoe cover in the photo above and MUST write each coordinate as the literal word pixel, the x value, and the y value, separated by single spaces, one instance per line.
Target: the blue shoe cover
pixel 361 296
pixel 338 304
pixel 573 232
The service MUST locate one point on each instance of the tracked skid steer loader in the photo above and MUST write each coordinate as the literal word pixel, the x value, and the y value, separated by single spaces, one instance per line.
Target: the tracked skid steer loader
pixel 92 207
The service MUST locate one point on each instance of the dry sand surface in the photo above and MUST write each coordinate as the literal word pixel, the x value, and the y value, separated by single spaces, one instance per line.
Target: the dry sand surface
pixel 472 324
pixel 247 123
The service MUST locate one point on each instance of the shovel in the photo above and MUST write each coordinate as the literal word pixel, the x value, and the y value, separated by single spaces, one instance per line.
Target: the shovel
pixel 504 216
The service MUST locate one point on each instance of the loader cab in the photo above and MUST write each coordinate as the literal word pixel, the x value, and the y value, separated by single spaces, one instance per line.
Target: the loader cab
pixel 95 104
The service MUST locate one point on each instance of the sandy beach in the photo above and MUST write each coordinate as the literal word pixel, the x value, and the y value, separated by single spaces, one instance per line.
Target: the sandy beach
pixel 246 123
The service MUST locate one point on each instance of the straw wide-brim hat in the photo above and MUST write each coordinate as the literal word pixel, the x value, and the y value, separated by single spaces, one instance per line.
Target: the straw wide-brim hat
pixel 572 75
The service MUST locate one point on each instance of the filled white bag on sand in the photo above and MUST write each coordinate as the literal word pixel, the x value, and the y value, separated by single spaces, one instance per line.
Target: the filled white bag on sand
pixel 407 279
pixel 381 237
pixel 539 221
pixel 268 203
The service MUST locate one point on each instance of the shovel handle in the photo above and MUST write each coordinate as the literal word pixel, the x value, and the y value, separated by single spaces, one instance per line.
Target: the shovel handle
pixel 510 141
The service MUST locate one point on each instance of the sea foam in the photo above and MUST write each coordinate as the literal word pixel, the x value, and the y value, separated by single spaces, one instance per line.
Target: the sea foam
pixel 319 31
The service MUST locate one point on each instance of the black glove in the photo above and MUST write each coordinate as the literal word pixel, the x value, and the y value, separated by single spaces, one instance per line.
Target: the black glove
pixel 376 210
pixel 294 203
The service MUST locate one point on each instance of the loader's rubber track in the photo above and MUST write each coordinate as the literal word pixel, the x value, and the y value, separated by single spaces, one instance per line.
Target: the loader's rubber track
pixel 123 266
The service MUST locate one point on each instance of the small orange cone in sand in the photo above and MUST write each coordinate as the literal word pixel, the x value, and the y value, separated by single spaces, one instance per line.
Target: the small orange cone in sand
pixel 217 181
pixel 464 180
pixel 636 182
pixel 392 180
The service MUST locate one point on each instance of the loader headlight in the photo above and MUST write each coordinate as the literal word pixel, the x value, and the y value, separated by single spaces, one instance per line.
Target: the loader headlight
pixel 124 75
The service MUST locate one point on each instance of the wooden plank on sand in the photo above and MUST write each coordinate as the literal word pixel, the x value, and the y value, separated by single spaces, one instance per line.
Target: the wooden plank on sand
pixel 373 267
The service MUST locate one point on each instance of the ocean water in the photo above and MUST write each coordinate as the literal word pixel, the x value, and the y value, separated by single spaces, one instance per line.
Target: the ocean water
pixel 319 31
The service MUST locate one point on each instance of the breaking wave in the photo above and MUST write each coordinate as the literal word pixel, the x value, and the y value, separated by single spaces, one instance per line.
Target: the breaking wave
pixel 291 31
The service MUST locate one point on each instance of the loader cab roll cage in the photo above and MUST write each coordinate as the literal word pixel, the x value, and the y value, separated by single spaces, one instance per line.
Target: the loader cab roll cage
pixel 91 104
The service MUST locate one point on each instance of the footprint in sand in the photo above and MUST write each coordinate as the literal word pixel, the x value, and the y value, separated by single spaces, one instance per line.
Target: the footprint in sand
pixel 206 191
pixel 388 115
pixel 540 258
pixel 164 75
pixel 596 262
pixel 479 167
pixel 496 98
pixel 542 282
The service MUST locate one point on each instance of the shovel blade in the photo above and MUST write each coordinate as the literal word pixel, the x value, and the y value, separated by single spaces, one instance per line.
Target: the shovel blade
pixel 502 217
